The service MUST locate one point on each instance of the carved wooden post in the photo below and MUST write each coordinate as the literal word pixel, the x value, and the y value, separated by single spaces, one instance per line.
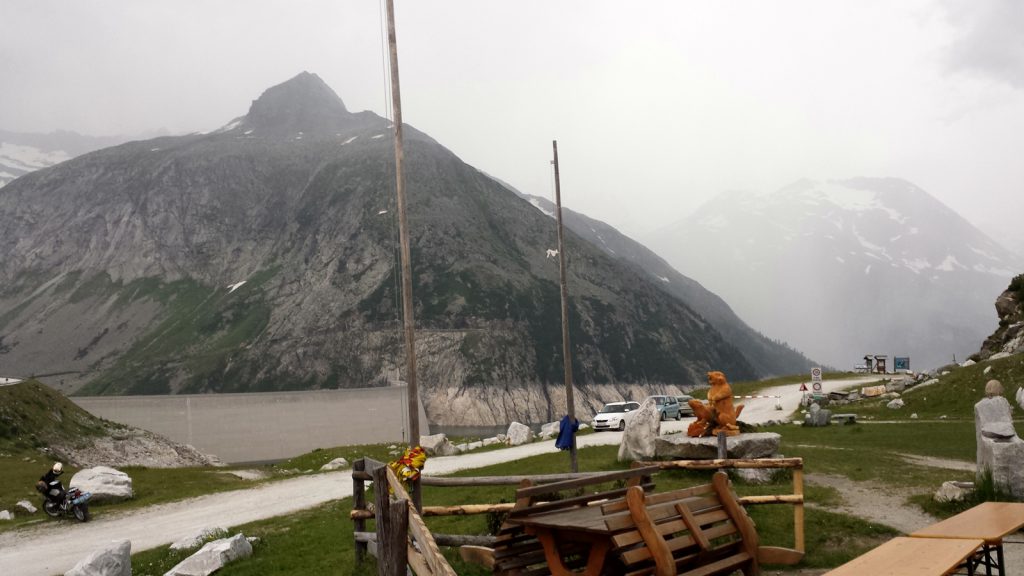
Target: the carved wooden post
pixel 359 503
pixel 392 528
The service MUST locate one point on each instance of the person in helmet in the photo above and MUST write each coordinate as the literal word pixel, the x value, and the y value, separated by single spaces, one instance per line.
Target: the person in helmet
pixel 52 486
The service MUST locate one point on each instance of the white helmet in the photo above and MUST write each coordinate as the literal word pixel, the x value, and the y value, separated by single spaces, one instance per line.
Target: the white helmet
pixel 58 468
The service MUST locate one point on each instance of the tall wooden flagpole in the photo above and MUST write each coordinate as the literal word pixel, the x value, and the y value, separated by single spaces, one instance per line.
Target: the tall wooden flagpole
pixel 403 233
pixel 570 402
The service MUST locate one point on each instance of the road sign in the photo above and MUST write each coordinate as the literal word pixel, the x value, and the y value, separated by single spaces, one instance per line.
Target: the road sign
pixel 803 387
pixel 816 386
pixel 815 374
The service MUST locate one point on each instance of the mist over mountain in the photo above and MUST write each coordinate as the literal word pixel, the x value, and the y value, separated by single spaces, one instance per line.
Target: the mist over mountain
pixel 845 268
pixel 262 256
pixel 21 153
pixel 769 357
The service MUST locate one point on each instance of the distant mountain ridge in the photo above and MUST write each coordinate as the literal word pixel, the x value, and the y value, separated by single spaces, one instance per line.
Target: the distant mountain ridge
pixel 261 256
pixel 845 268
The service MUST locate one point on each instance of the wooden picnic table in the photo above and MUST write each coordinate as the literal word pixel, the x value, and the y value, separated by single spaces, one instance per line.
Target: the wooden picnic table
pixel 988 521
pixel 584 524
pixel 906 556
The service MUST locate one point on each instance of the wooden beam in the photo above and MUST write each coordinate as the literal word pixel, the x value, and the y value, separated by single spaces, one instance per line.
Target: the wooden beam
pixel 795 463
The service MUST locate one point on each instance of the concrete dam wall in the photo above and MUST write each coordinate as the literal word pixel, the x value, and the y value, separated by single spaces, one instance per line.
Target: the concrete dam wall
pixel 263 426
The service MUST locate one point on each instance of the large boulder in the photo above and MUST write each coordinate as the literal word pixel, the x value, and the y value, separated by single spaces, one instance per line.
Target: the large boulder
pixel 213 556
pixel 113 560
pixel 1001 455
pixel 518 434
pixel 437 445
pixel 106 484
pixel 642 429
pixel 681 447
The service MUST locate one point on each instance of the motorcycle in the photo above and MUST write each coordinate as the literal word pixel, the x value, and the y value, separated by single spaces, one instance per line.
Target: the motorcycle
pixel 76 503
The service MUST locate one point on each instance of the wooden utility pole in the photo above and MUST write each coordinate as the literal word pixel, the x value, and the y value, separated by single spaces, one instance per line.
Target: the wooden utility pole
pixel 403 233
pixel 570 402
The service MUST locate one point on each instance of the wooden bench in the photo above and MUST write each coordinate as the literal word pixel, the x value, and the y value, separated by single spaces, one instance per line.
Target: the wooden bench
pixel 698 531
pixel 517 552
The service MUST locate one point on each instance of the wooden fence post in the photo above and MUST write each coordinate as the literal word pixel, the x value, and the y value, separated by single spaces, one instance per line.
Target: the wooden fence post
pixel 392 519
pixel 359 503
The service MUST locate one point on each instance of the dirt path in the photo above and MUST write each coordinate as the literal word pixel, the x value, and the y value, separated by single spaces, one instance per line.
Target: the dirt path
pixel 55 547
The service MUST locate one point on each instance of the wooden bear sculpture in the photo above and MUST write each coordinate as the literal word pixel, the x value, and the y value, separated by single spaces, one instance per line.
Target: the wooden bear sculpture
pixel 719 414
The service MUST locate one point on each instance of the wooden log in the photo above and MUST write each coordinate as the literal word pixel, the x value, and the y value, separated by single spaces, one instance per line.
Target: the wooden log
pixel 771 499
pixel 418 563
pixel 450 481
pixel 428 547
pixel 453 540
pixel 593 479
pixel 798 510
pixel 359 503
pixel 795 463
pixel 392 528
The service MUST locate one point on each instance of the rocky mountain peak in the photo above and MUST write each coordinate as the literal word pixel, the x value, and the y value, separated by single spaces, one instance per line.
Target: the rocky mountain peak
pixel 303 104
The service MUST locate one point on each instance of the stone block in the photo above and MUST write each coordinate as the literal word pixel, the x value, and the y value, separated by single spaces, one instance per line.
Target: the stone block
pixel 642 430
pixel 112 560
pixel 519 434
pixel 680 447
pixel 213 556
pixel 106 484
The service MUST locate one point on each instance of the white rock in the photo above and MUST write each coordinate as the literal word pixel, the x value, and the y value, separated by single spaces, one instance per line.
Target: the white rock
pixel 968 363
pixel 895 404
pixel 213 556
pixel 106 484
pixel 986 370
pixel 953 491
pixel 642 430
pixel 26 506
pixel 336 464
pixel 6 515
pixel 584 426
pixel 113 560
pixel 436 444
pixel 490 441
pixel 1020 397
pixel 550 429
pixel 475 444
pixel 913 416
pixel 999 355
pixel 519 434
pixel 197 538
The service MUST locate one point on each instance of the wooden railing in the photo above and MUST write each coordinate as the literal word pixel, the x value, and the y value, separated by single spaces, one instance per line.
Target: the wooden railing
pixel 368 469
pixel 402 539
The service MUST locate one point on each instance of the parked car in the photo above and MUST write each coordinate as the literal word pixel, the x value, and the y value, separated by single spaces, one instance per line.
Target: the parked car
pixel 614 415
pixel 684 404
pixel 668 406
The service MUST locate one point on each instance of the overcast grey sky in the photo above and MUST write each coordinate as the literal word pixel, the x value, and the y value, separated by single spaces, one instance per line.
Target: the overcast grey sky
pixel 656 105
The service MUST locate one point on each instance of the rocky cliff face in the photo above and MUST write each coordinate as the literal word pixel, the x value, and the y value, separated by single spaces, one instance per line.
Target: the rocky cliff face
pixel 263 257
pixel 1009 336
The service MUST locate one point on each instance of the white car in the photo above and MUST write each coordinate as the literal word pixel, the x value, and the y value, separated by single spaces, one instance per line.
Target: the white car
pixel 614 416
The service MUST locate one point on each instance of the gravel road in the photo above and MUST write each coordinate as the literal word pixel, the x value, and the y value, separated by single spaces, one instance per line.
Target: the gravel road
pixel 55 547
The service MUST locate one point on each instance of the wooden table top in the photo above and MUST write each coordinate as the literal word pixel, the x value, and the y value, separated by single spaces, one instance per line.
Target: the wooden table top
pixel 990 521
pixel 905 556
pixel 581 519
